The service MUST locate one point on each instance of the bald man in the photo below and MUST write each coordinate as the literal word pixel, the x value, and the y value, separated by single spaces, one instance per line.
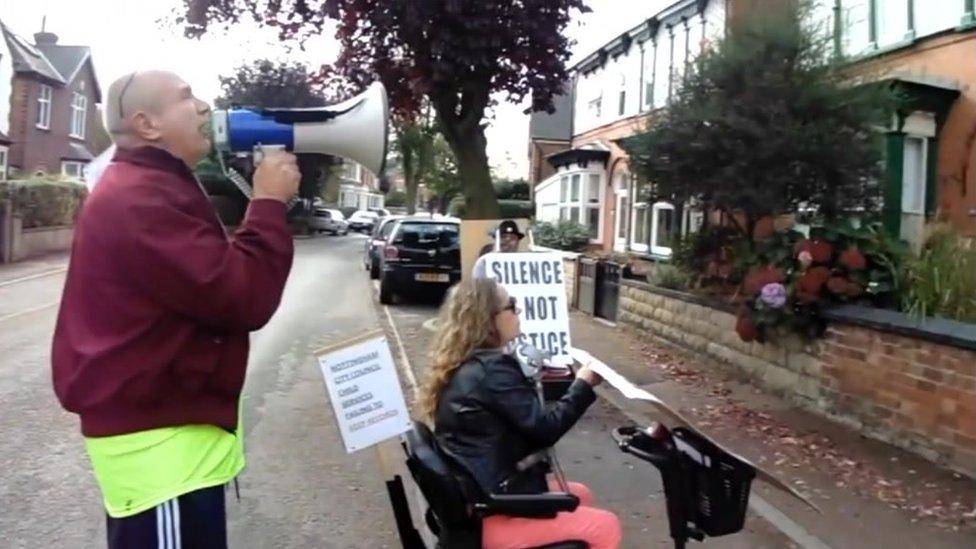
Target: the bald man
pixel 151 342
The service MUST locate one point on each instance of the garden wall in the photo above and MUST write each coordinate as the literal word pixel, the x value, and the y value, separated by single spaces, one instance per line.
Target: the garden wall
pixel 895 379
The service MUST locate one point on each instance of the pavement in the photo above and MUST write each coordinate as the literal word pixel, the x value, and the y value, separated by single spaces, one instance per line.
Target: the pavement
pixel 870 494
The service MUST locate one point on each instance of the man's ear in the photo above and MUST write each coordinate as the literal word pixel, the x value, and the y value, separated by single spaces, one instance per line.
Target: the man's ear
pixel 145 127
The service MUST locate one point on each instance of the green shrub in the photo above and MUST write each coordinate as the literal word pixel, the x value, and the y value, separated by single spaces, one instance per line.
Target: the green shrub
pixel 44 201
pixel 564 235
pixel 671 277
pixel 942 280
pixel 509 209
pixel 347 211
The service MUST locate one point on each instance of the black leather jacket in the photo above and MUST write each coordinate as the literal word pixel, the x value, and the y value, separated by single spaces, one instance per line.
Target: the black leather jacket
pixel 489 418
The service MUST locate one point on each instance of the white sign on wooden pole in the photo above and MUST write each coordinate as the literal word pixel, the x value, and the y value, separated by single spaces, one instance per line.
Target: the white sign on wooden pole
pixel 366 396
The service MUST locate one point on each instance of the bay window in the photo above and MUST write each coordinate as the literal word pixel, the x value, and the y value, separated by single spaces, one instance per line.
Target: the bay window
pixel 580 200
pixel 662 228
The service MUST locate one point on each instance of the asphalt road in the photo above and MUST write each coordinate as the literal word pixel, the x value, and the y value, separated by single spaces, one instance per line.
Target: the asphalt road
pixel 300 488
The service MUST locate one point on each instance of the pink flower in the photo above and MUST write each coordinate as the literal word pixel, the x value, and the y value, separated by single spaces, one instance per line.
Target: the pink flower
pixel 805 258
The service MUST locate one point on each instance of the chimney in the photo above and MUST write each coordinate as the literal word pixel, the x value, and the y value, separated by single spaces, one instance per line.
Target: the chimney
pixel 45 38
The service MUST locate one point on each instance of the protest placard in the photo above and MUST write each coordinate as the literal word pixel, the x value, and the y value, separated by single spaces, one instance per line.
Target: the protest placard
pixel 362 383
pixel 536 281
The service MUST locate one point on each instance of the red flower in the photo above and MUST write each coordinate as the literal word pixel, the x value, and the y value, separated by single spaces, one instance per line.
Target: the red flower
pixel 757 277
pixel 853 259
pixel 819 249
pixel 746 328
pixel 810 283
pixel 837 285
pixel 764 228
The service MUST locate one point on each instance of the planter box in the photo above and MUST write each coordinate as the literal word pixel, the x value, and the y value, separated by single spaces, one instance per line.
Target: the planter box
pixel 903 381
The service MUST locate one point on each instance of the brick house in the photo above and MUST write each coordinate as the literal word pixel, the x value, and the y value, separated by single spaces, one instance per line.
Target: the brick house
pixel 930 151
pixel 48 105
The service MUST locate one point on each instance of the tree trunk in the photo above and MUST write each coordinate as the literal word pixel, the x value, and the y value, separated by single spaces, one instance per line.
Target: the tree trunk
pixel 469 147
pixel 409 180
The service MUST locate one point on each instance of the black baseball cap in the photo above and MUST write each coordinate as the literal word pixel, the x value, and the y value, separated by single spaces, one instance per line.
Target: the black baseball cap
pixel 509 227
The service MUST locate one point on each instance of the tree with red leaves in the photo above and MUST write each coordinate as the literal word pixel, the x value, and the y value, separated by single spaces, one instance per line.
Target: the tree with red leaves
pixel 457 53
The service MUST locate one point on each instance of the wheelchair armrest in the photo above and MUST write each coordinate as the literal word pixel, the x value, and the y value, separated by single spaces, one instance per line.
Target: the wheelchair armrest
pixel 528 505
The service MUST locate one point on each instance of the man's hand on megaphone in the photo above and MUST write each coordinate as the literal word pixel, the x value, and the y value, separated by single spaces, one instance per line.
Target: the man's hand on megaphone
pixel 277 176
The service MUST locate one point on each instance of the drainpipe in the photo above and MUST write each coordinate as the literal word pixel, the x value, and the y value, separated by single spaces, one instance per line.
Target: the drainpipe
pixel 640 87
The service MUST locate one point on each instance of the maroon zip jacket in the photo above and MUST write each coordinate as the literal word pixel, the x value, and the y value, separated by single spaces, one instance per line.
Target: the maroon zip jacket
pixel 158 301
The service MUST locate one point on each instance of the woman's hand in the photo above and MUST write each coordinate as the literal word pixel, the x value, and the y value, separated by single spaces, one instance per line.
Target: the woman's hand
pixel 589 376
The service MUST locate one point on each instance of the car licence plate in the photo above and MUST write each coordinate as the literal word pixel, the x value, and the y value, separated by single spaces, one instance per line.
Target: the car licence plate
pixel 432 277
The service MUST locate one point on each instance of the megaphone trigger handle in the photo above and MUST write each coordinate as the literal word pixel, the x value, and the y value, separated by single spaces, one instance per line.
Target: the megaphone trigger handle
pixel 260 150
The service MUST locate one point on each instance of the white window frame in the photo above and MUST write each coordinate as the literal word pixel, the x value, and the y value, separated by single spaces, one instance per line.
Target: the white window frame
pixel 907 207
pixel 4 154
pixel 636 244
pixel 579 201
pixel 650 68
pixel 622 205
pixel 622 95
pixel 79 169
pixel 45 95
pixel 656 209
pixel 79 115
pixel 692 219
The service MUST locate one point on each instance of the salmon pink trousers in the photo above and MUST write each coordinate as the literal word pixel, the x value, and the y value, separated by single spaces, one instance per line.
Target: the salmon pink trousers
pixel 597 527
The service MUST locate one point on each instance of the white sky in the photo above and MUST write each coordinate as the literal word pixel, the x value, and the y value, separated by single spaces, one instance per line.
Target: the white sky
pixel 125 35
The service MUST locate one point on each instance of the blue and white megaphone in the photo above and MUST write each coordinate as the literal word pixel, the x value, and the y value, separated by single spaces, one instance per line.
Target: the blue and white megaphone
pixel 355 129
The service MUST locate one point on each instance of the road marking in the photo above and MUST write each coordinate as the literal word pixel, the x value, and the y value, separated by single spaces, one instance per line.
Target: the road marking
pixel 787 526
pixel 33 276
pixel 29 311
pixel 407 367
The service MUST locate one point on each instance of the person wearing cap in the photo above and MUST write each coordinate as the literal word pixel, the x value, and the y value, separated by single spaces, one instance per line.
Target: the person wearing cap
pixel 508 234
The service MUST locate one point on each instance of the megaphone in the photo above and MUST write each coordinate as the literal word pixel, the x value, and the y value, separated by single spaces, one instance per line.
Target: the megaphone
pixel 355 129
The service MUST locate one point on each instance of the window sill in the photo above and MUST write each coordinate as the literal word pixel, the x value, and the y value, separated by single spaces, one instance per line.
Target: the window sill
pixel 40 127
pixel 78 137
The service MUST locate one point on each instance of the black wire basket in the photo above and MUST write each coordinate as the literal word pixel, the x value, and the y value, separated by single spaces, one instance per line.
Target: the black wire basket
pixel 713 484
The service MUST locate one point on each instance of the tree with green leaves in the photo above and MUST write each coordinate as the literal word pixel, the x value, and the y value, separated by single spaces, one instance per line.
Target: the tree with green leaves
pixel 456 54
pixel 764 123
pixel 413 150
pixel 264 83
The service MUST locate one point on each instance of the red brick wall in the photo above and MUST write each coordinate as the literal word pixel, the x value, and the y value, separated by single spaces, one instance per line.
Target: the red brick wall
pixel 33 148
pixel 539 169
pixel 902 388
pixel 909 392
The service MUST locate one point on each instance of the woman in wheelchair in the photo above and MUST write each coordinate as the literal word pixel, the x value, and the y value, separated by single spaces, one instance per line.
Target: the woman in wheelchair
pixel 488 418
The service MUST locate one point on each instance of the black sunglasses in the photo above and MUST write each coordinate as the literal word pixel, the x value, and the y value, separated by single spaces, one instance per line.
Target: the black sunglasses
pixel 122 93
pixel 512 306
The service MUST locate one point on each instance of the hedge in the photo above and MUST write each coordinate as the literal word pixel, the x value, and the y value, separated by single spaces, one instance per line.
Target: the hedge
pixel 509 209
pixel 45 201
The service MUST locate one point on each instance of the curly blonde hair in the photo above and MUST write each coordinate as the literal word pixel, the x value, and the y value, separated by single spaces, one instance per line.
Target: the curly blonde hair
pixel 466 324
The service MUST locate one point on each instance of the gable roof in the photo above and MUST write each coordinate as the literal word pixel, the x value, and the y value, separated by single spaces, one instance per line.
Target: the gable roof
pixel 27 58
pixel 53 62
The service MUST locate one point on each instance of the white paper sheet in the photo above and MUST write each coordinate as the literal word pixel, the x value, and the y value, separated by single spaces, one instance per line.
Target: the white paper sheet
pixel 633 392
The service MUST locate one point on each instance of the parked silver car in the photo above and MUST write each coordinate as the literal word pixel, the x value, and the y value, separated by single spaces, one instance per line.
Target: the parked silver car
pixel 329 221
